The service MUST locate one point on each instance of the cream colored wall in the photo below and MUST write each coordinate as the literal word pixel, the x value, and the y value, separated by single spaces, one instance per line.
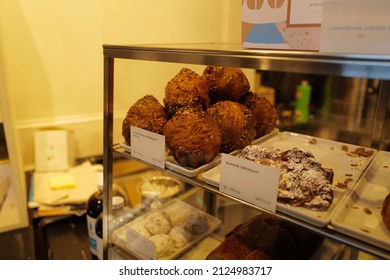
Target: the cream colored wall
pixel 53 58
pixel 52 61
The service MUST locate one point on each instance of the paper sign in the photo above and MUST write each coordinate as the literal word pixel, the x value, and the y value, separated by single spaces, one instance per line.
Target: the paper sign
pixel 304 13
pixel 140 245
pixel 356 26
pixel 250 181
pixel 148 146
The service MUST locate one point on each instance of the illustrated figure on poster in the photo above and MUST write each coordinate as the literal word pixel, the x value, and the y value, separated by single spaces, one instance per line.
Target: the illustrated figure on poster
pixel 281 24
pixel 260 18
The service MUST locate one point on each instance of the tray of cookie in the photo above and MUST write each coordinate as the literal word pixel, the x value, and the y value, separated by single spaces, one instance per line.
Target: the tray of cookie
pixel 323 169
pixel 365 211
pixel 166 232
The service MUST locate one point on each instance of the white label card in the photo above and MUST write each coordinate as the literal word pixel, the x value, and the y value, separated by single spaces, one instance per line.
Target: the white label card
pixel 304 12
pixel 140 245
pixel 357 26
pixel 148 146
pixel 250 181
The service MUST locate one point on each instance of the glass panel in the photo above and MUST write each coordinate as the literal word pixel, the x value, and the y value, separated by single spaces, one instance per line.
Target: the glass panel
pixel 339 108
pixel 3 144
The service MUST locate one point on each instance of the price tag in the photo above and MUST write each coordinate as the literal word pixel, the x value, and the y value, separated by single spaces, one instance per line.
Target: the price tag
pixel 148 146
pixel 250 181
pixel 140 245
pixel 303 13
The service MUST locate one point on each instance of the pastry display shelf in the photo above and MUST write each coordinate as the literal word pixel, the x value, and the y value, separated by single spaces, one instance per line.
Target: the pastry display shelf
pixel 328 232
pixel 344 65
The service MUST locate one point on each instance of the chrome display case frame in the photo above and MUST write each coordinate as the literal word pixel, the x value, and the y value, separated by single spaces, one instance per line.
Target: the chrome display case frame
pixel 343 65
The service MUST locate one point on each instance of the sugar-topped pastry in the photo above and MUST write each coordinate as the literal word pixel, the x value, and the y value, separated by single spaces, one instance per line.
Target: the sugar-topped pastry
pixel 163 244
pixel 303 181
pixel 180 235
pixel 158 222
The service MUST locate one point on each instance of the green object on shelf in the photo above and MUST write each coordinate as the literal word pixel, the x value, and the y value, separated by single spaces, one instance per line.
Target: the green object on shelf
pixel 302 102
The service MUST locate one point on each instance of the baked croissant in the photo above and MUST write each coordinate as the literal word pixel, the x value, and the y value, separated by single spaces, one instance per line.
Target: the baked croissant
pixel 303 181
pixel 193 137
pixel 236 124
pixel 146 113
pixel 226 83
pixel 186 89
pixel 265 113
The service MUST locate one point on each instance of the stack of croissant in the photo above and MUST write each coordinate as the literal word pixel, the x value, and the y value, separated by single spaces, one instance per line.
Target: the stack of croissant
pixel 203 115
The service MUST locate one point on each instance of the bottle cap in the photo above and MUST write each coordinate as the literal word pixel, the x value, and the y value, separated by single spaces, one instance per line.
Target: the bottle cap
pixel 117 202
pixel 305 82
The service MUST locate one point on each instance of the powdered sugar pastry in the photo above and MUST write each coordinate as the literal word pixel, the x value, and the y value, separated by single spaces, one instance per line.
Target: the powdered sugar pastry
pixel 303 181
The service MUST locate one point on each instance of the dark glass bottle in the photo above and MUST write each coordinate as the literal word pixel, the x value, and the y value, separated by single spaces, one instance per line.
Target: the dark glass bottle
pixel 94 209
pixel 99 235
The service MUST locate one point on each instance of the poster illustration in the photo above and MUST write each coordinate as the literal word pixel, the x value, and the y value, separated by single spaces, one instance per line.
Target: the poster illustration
pixel 281 24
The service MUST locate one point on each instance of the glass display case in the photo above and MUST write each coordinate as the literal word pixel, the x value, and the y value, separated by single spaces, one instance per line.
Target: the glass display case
pixel 349 109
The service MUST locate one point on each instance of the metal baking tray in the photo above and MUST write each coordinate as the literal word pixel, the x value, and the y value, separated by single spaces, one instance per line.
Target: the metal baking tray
pixel 331 154
pixel 359 214
pixel 172 164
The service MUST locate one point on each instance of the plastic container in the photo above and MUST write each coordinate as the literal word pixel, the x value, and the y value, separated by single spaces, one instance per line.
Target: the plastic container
pixel 121 214
pixel 94 209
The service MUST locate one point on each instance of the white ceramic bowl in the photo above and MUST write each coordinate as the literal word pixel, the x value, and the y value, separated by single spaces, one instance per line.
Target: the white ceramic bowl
pixel 160 187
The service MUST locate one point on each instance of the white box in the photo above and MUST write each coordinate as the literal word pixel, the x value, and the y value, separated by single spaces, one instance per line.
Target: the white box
pixel 54 150
pixel 356 26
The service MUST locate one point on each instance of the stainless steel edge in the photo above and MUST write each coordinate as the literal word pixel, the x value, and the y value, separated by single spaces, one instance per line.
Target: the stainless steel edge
pixel 346 65
pixel 107 146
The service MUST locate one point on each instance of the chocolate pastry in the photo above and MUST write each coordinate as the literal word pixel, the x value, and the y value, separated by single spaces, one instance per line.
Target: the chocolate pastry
pixel 146 113
pixel 236 123
pixel 265 237
pixel 226 83
pixel 186 89
pixel 193 137
pixel 265 113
